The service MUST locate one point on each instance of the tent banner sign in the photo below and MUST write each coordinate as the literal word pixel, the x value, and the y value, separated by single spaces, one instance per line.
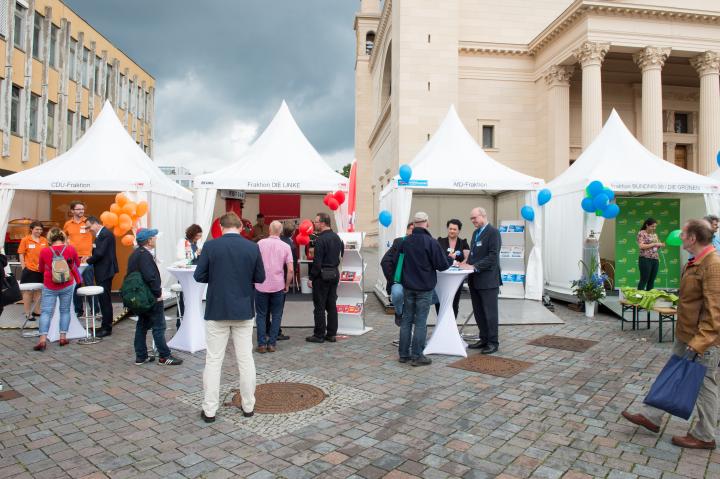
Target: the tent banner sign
pixel 420 183
pixel 633 212
pixel 661 187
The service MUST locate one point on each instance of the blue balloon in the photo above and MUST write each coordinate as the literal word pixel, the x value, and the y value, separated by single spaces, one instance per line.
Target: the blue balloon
pixel 718 158
pixel 405 173
pixel 610 193
pixel 544 196
pixel 385 218
pixel 601 201
pixel 587 205
pixel 595 188
pixel 611 211
pixel 527 212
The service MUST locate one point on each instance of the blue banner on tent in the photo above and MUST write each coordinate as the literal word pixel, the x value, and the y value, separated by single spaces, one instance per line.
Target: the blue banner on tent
pixel 412 183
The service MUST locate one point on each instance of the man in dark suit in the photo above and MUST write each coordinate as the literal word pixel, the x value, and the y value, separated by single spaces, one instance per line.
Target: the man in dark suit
pixel 485 281
pixel 105 266
pixel 230 265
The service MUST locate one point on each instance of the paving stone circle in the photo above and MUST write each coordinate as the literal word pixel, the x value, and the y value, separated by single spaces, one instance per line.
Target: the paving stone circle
pixel 492 365
pixel 561 342
pixel 282 398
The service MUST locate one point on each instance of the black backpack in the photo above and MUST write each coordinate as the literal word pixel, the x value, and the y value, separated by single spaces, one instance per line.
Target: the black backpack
pixel 136 294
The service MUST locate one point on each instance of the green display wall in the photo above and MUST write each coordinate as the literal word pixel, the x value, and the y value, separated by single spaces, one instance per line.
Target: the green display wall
pixel 633 212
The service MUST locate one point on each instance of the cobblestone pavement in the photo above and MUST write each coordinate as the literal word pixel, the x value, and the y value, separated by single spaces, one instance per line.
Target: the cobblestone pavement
pixel 88 411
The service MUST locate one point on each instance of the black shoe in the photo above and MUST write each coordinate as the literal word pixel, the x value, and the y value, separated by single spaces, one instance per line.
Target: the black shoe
pixel 478 345
pixel 170 361
pixel 103 332
pixel 331 339
pixel 489 349
pixel 283 337
pixel 421 361
pixel 403 360
pixel 314 339
pixel 246 414
pixel 398 320
pixel 149 359
pixel 205 418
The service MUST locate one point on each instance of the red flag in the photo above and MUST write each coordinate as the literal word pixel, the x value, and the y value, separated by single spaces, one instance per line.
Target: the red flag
pixel 351 196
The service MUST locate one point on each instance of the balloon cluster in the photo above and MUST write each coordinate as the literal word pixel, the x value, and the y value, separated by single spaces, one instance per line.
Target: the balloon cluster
pixel 304 231
pixel 123 216
pixel 527 211
pixel 598 199
pixel 333 200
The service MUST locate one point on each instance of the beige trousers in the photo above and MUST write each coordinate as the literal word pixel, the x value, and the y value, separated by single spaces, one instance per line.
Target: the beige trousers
pixel 217 334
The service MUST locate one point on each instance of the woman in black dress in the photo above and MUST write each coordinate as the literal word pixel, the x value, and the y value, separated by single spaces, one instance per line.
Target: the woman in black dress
pixel 456 248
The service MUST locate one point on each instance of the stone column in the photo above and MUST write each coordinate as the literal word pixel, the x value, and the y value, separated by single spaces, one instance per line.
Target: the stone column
pixel 590 55
pixel 558 120
pixel 651 60
pixel 708 67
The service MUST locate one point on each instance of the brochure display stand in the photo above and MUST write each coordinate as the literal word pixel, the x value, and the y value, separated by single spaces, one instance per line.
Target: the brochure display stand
pixel 351 291
pixel 512 259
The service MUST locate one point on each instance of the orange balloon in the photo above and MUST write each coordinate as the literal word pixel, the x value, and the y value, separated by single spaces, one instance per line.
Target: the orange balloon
pixel 109 219
pixel 119 231
pixel 127 240
pixel 124 221
pixel 115 208
pixel 129 208
pixel 142 208
pixel 121 199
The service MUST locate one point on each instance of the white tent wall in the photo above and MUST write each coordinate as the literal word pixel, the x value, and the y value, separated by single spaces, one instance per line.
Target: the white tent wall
pixel 563 241
pixel 204 204
pixel 398 202
pixel 171 219
pixel 443 207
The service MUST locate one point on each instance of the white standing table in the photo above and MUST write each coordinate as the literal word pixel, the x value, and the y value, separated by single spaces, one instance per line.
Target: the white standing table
pixel 446 338
pixel 76 329
pixel 191 335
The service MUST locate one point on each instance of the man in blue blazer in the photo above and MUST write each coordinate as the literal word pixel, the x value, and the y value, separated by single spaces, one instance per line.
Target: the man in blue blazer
pixel 105 267
pixel 230 265
pixel 485 281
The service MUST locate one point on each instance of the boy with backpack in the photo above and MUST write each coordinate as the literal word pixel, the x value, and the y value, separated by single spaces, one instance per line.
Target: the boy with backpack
pixel 142 294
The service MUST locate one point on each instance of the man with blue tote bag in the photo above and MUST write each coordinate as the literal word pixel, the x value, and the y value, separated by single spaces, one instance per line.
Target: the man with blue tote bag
pixel 697 336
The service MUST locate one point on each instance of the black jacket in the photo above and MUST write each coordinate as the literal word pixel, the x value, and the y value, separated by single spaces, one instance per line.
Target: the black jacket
pixel 460 246
pixel 142 260
pixel 423 258
pixel 3 263
pixel 230 265
pixel 329 249
pixel 103 259
pixel 388 263
pixel 485 256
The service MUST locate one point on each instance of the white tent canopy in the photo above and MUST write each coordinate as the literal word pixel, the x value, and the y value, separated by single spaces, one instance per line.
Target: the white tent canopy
pixel 107 159
pixel 712 201
pixel 280 160
pixel 624 165
pixel 453 162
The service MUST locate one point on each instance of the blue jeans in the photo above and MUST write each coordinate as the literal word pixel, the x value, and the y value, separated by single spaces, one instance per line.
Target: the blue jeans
pixel 47 306
pixel 415 313
pixel 396 296
pixel 272 303
pixel 155 320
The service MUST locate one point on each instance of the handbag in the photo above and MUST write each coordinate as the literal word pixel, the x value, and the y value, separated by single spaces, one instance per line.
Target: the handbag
pixel 329 273
pixel 676 388
pixel 10 290
pixel 398 269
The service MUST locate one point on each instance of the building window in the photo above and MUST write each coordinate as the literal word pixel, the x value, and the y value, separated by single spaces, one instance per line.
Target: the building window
pixel 72 59
pixel 369 42
pixel 488 136
pixel 34 104
pixel 108 78
pixel 131 99
pixel 83 125
pixel 123 93
pixel 85 68
pixel 15 110
pixel 50 136
pixel 69 129
pixel 37 30
pixel 54 35
pixel 98 64
pixel 19 32
pixel 681 123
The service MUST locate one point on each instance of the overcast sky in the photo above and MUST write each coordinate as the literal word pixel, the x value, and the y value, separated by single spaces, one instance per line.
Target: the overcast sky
pixel 222 68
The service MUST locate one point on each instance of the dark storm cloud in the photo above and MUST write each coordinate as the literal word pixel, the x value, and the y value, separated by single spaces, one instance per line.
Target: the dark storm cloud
pixel 217 61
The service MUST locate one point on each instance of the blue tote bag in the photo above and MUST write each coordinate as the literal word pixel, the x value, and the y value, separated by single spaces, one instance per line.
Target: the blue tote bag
pixel 676 388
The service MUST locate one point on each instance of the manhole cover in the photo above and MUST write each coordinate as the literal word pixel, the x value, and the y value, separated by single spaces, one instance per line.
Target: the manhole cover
pixel 282 398
pixel 561 342
pixel 492 365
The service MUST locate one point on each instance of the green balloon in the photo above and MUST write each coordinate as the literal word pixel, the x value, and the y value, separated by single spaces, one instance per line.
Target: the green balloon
pixel 673 239
pixel 598 212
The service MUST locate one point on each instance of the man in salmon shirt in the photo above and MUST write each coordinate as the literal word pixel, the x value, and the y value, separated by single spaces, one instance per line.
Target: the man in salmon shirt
pixel 81 238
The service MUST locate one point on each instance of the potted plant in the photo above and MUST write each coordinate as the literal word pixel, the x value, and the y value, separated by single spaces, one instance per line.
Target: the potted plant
pixel 590 287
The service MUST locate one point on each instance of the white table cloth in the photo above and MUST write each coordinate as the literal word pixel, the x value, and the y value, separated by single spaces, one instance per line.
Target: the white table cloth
pixel 191 335
pixel 76 330
pixel 446 338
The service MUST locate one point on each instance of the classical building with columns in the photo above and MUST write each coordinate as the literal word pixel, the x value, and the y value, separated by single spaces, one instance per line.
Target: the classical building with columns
pixel 534 81
pixel 58 73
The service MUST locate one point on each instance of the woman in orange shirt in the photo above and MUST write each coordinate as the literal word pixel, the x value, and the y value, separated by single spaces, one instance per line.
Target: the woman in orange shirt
pixel 29 250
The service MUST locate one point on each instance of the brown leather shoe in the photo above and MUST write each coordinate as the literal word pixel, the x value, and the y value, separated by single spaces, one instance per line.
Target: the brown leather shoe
pixel 270 348
pixel 691 442
pixel 641 420
pixel 262 349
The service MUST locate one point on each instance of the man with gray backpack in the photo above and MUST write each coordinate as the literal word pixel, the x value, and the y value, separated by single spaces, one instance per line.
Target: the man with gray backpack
pixel 142 294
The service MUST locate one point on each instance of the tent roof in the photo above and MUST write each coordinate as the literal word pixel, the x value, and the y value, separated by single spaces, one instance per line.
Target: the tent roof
pixel 452 160
pixel 281 159
pixel 106 158
pixel 622 163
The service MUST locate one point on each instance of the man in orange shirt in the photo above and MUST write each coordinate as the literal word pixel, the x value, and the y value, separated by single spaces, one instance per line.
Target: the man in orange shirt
pixel 81 238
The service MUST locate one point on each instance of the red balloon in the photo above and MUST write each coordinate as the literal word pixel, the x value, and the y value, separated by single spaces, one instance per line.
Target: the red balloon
pixel 327 198
pixel 333 204
pixel 302 239
pixel 306 227
pixel 339 196
pixel 215 230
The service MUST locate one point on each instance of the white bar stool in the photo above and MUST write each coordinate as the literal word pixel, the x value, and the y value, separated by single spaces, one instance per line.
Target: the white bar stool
pixel 30 287
pixel 90 315
pixel 176 290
